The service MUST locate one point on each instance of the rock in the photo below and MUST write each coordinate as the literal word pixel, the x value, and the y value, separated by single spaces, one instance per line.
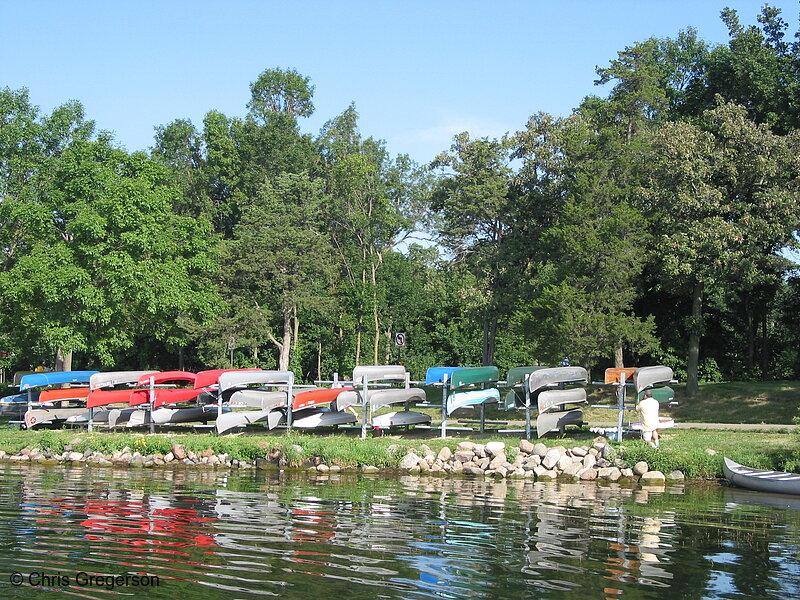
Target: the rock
pixel 137 461
pixel 472 471
pixel 589 461
pixel 675 476
pixel 573 469
pixel 414 470
pixel 502 471
pixel 580 451
pixel 525 446
pixel 483 463
pixel 334 469
pixel 607 452
pixel 711 452
pixel 323 468
pixel 534 460
pixel 444 454
pixel 408 461
pixel 540 450
pixel 602 463
pixel 517 473
pixel 594 452
pixel 564 462
pixel 425 449
pixel 458 467
pixel 168 457
pixel 466 446
pixel 539 470
pixel 495 448
pixel 464 456
pixel 548 475
pixel 178 452
pixel 479 450
pixel 551 458
pixel 207 453
pixel 370 469
pixel 498 461
pixel 640 468
pixel 75 456
pixel 423 465
pixel 627 473
pixel 589 474
pixel 610 473
pixel 652 477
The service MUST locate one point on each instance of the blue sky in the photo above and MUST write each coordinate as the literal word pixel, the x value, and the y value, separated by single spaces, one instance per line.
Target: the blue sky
pixel 418 72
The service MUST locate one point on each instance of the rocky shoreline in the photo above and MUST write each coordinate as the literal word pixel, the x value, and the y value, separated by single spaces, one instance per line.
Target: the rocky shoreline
pixel 469 459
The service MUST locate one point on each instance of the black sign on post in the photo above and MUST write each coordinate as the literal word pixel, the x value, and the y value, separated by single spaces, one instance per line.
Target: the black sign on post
pixel 399 339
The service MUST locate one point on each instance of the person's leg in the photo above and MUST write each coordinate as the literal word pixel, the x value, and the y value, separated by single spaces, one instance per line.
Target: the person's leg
pixel 647 436
pixel 656 442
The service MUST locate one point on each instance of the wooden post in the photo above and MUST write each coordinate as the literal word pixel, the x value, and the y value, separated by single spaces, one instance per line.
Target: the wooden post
pixel 620 405
pixel 527 408
pixel 445 380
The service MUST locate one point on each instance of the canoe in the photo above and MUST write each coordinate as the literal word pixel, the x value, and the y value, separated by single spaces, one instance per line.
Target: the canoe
pixel 543 378
pixel 761 480
pixel 466 376
pixel 100 397
pixel 662 394
pixel 379 373
pixel 549 400
pixel 100 416
pixel 438 374
pixel 34 380
pixel 20 398
pixel 663 423
pixel 322 417
pixel 261 399
pixel 42 417
pixel 162 377
pixel 555 421
pixel 120 416
pixel 380 398
pixel 311 398
pixel 399 418
pixel 115 378
pixel 168 396
pixel 164 416
pixel 516 375
pixel 60 395
pixel 612 374
pixel 211 377
pixel 241 379
pixel 646 377
pixel 458 400
pixel 234 420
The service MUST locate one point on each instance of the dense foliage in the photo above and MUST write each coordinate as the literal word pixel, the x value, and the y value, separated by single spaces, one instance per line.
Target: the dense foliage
pixel 649 226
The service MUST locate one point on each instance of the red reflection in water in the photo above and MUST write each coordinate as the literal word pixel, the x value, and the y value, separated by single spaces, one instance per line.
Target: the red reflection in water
pixel 146 528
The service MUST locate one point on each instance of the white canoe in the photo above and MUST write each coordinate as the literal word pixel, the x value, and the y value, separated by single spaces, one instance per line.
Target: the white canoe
pixel 761 480
pixel 552 399
pixel 120 416
pixel 43 417
pixel 234 420
pixel 399 419
pixel 165 416
pixel 555 421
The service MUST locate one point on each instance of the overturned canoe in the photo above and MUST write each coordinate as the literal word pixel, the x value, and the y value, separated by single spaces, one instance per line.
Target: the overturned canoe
pixel 556 421
pixel 165 416
pixel 543 378
pixel 46 417
pixel 234 420
pixel 260 399
pixel 311 398
pixel 380 398
pixel 399 419
pixel 120 416
pixel 322 417
pixel 761 480
pixel 646 377
pixel 549 400
pixel 458 400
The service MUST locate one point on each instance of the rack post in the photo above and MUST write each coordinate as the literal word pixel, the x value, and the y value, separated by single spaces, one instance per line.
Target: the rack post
pixel 527 408
pixel 445 379
pixel 620 405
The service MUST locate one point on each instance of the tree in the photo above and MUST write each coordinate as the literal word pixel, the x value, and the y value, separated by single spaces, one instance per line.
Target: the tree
pixel 279 91
pixel 721 201
pixel 111 261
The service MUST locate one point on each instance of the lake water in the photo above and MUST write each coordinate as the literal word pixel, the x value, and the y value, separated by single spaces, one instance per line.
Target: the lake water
pixel 189 534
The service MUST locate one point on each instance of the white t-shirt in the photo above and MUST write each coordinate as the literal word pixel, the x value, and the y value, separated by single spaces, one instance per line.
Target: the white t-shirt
pixel 648 411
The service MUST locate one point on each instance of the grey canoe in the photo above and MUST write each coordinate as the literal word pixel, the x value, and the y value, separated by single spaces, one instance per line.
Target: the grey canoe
pixel 554 421
pixel 552 399
pixel 542 378
pixel 399 418
pixel 380 398
pixel 761 480
pixel 321 417
pixel 234 420
pixel 120 416
pixel 646 377
pixel 259 399
pixel 45 417
pixel 164 416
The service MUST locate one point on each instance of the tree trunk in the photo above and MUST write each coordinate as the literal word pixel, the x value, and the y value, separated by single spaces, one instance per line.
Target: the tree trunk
pixel 695 333
pixel 376 342
pixel 764 348
pixel 319 361
pixel 751 340
pixel 63 360
pixel 293 357
pixel 489 337
pixel 286 346
pixel 619 356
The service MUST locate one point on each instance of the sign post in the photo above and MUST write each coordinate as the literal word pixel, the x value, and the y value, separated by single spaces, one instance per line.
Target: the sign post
pixel 400 342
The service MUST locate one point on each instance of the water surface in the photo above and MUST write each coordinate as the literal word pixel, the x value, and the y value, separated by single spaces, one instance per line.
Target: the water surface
pixel 192 534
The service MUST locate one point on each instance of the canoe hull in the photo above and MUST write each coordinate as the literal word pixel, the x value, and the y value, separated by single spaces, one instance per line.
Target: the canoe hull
pixel 555 421
pixel 235 420
pixel 458 400
pixel 550 400
pixel 48 417
pixel 322 418
pixel 543 378
pixel 399 419
pixel 761 480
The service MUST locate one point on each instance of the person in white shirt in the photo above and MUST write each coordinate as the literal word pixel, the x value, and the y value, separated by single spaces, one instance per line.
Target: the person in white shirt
pixel 648 413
